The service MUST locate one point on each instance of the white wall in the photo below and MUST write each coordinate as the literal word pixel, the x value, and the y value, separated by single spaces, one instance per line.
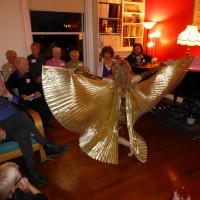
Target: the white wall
pixel 12 34
pixel 57 5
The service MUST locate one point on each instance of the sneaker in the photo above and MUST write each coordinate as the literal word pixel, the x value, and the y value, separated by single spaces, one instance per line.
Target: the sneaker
pixel 37 177
pixel 53 150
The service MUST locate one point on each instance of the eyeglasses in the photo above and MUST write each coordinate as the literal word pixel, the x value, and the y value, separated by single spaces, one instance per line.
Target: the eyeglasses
pixel 18 180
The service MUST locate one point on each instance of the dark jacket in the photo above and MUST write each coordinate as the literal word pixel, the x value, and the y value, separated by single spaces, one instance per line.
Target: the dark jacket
pixel 136 68
pixel 20 195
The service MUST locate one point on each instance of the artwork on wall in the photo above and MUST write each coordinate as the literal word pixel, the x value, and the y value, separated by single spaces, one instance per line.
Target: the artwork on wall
pixel 196 14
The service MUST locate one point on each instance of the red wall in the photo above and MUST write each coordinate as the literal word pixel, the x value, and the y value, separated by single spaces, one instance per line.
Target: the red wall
pixel 172 17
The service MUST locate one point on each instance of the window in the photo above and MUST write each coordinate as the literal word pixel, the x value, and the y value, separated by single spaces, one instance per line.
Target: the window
pixel 59 29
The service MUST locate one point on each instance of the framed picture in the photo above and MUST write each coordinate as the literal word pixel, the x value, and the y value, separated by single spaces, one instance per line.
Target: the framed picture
pixel 196 14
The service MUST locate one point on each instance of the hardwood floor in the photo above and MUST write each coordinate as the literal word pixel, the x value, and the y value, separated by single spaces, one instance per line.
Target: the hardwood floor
pixel 173 161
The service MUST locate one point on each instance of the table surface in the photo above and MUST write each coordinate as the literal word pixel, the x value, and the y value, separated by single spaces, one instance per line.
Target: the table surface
pixel 195 65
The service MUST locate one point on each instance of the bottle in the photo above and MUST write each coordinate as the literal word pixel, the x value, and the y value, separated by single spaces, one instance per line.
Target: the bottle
pixel 191 119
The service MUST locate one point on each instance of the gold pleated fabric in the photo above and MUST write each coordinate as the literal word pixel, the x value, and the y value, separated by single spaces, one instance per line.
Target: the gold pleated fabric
pixel 91 108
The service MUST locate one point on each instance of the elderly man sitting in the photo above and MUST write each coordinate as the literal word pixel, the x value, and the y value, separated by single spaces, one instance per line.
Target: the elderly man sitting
pixel 9 67
pixel 16 125
pixel 31 96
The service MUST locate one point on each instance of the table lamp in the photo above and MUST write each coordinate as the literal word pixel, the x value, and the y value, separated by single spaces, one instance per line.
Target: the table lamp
pixel 190 37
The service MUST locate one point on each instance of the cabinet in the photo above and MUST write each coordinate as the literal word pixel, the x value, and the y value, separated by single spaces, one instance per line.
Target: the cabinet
pixel 120 23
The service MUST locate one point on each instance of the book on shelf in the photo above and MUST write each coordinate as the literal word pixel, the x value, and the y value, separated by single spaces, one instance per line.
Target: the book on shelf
pixel 110 1
pixel 100 26
pixel 103 10
pixel 109 10
pixel 133 1
pixel 119 27
pixel 133 18
pixel 128 42
pixel 139 31
pixel 109 40
pixel 114 11
pixel 131 8
pixel 132 31
pixel 125 31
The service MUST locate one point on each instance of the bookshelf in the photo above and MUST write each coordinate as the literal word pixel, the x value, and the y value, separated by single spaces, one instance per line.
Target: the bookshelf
pixel 120 23
pixel 110 23
pixel 132 18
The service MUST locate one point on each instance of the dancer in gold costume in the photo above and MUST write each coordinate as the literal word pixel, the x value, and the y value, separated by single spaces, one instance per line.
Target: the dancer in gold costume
pixel 91 106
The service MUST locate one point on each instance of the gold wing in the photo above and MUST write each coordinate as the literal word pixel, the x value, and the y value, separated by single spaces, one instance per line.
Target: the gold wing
pixel 145 95
pixel 85 106
pixel 150 91
pixel 89 107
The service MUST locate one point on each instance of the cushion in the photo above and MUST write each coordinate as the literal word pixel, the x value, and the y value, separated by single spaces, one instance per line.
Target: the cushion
pixel 11 146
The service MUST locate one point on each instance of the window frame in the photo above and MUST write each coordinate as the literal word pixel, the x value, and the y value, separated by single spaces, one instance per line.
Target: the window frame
pixel 88 43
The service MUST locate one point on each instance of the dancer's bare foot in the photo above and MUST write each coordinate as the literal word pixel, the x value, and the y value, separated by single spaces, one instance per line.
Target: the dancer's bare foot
pixel 131 152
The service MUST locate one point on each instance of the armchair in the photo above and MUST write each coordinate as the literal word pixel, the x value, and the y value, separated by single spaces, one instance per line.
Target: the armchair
pixel 10 150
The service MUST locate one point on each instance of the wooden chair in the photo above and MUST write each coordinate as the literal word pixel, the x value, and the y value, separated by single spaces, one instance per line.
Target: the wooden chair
pixel 10 150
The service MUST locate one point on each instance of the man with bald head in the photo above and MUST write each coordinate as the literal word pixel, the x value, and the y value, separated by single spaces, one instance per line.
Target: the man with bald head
pixel 28 90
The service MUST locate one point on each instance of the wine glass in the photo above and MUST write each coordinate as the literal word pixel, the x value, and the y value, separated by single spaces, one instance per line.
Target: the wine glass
pixel 181 194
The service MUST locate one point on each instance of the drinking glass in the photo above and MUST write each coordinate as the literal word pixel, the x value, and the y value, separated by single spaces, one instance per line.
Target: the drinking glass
pixel 181 194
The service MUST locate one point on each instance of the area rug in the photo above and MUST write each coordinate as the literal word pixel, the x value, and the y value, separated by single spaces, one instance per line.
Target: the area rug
pixel 176 118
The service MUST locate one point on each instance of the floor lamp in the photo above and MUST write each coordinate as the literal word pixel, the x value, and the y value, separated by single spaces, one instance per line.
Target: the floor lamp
pixel 148 26
pixel 190 37
pixel 152 43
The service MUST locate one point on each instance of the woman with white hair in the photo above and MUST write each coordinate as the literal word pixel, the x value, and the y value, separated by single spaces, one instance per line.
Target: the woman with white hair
pixel 15 186
pixel 56 61
pixel 9 67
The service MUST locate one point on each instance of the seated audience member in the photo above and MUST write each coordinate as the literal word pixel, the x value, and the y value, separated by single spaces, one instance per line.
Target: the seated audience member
pixel 14 186
pixel 9 67
pixel 16 125
pixel 28 90
pixel 105 66
pixel 75 63
pixel 36 60
pixel 138 58
pixel 56 61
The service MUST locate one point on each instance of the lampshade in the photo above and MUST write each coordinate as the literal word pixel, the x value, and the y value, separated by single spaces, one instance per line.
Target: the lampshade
pixel 148 25
pixel 154 35
pixel 190 36
pixel 150 44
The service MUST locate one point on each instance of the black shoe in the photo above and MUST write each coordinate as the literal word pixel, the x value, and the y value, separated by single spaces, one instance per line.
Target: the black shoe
pixel 49 126
pixel 37 177
pixel 53 150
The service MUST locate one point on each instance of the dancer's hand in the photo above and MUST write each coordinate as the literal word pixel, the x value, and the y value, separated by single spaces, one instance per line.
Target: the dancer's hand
pixel 137 78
